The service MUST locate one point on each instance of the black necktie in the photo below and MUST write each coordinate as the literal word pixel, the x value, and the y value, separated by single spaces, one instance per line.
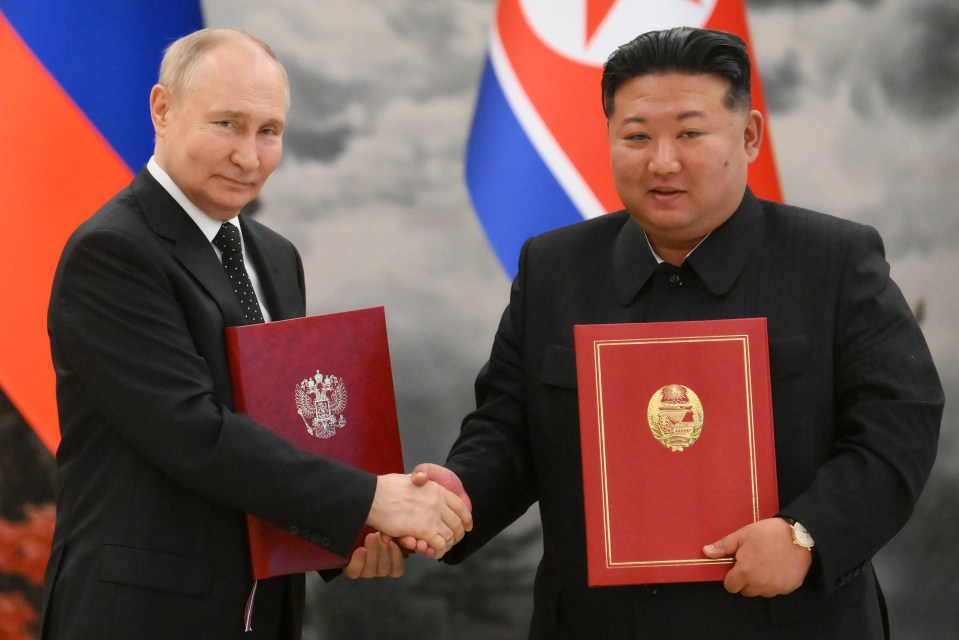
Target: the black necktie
pixel 227 240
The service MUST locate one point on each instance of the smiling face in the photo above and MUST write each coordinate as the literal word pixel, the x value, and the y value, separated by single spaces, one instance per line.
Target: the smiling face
pixel 221 139
pixel 680 156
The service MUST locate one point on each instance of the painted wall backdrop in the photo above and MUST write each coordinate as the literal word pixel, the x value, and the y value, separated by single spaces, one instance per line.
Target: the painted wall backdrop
pixel 863 98
pixel 864 108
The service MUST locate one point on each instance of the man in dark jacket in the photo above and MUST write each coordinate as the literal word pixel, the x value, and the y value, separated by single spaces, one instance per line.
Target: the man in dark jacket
pixel 156 470
pixel 856 398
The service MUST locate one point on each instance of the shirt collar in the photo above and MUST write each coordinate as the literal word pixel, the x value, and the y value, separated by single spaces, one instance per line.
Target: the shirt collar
pixel 207 224
pixel 659 260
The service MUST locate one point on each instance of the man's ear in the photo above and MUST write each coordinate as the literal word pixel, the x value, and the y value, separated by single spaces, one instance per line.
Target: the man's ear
pixel 753 134
pixel 160 103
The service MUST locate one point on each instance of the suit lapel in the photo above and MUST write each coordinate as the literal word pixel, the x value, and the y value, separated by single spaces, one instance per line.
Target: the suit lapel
pixel 190 247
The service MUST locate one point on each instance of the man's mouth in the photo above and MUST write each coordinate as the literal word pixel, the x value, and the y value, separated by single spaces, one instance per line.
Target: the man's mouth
pixel 665 192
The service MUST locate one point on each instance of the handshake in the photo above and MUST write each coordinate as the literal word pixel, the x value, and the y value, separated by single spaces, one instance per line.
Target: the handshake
pixel 426 511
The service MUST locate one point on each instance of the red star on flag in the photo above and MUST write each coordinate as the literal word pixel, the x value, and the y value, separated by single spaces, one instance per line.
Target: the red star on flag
pixel 596 12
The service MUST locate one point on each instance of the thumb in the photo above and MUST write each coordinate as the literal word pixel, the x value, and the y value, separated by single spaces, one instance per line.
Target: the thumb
pixel 728 546
pixel 420 475
pixel 426 471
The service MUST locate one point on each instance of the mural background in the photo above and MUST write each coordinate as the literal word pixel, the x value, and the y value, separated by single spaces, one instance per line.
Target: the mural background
pixel 863 99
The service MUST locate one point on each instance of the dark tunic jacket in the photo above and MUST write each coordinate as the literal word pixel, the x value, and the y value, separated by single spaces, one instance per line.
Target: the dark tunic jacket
pixel 857 405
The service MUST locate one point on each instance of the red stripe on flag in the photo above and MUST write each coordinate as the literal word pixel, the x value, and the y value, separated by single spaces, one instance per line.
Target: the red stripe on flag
pixel 555 85
pixel 763 176
pixel 56 171
pixel 596 12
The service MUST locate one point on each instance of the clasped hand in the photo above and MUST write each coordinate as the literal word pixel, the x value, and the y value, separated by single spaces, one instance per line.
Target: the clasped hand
pixel 426 512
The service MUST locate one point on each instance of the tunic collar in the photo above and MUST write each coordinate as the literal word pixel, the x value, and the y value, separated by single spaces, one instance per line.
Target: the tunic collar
pixel 718 260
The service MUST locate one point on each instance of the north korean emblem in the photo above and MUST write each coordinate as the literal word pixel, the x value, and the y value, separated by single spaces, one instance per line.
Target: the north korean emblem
pixel 675 416
pixel 320 401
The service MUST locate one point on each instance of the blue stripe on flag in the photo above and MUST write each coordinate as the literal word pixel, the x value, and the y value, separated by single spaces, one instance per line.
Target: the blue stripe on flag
pixel 513 191
pixel 106 54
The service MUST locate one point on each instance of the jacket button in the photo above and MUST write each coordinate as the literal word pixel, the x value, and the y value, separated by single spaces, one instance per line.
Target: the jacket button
pixel 326 541
pixel 675 281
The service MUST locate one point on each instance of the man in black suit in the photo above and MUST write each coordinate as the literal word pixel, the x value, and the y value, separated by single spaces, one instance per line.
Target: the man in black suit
pixel 156 469
pixel 856 398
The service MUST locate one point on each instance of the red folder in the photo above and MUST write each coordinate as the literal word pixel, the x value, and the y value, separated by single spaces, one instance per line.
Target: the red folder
pixel 677 445
pixel 323 383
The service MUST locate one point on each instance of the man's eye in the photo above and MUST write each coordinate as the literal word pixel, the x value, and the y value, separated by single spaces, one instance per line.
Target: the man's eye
pixel 691 134
pixel 225 123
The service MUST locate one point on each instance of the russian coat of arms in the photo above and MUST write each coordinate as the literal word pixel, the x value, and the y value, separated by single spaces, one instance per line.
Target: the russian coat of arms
pixel 320 401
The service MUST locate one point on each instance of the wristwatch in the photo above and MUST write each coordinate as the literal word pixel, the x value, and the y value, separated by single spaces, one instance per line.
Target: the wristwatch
pixel 801 535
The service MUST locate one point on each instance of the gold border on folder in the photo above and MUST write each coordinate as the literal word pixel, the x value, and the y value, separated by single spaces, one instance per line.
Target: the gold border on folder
pixel 598 346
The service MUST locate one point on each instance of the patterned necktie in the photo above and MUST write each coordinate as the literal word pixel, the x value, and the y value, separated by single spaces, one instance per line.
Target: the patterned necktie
pixel 227 240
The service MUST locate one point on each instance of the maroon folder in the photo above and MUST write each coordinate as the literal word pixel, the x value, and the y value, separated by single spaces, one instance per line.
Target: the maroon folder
pixel 323 383
pixel 677 445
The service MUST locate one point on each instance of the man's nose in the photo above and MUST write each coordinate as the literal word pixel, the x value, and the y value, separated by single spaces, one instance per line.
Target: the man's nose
pixel 664 159
pixel 245 152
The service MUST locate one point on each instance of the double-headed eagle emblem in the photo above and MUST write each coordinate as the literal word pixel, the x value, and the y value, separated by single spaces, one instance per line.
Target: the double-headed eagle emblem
pixel 320 401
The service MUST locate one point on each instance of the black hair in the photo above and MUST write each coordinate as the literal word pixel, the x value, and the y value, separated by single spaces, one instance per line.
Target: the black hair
pixel 681 50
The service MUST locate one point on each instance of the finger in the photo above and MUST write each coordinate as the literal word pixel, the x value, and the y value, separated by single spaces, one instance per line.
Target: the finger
pixel 727 546
pixel 461 509
pixel 397 563
pixel 439 544
pixel 454 523
pixel 417 546
pixel 422 473
pixel 355 566
pixel 373 548
pixel 458 509
pixel 384 558
pixel 464 513
pixel 734 582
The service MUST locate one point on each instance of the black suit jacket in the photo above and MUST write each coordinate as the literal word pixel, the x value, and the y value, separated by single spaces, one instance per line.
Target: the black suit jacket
pixel 156 470
pixel 856 398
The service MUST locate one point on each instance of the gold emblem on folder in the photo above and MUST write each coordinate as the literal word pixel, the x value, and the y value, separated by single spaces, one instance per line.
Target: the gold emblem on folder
pixel 675 416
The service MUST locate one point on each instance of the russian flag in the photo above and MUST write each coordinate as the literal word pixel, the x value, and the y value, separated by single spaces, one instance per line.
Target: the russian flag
pixel 537 156
pixel 75 79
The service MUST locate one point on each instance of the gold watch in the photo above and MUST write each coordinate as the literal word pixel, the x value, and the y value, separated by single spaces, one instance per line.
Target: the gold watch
pixel 801 535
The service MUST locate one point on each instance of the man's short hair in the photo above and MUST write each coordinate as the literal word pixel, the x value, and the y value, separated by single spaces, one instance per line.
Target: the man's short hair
pixel 180 58
pixel 681 50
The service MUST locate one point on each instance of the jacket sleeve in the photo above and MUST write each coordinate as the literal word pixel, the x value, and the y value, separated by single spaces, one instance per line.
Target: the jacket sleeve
pixel 888 407
pixel 492 453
